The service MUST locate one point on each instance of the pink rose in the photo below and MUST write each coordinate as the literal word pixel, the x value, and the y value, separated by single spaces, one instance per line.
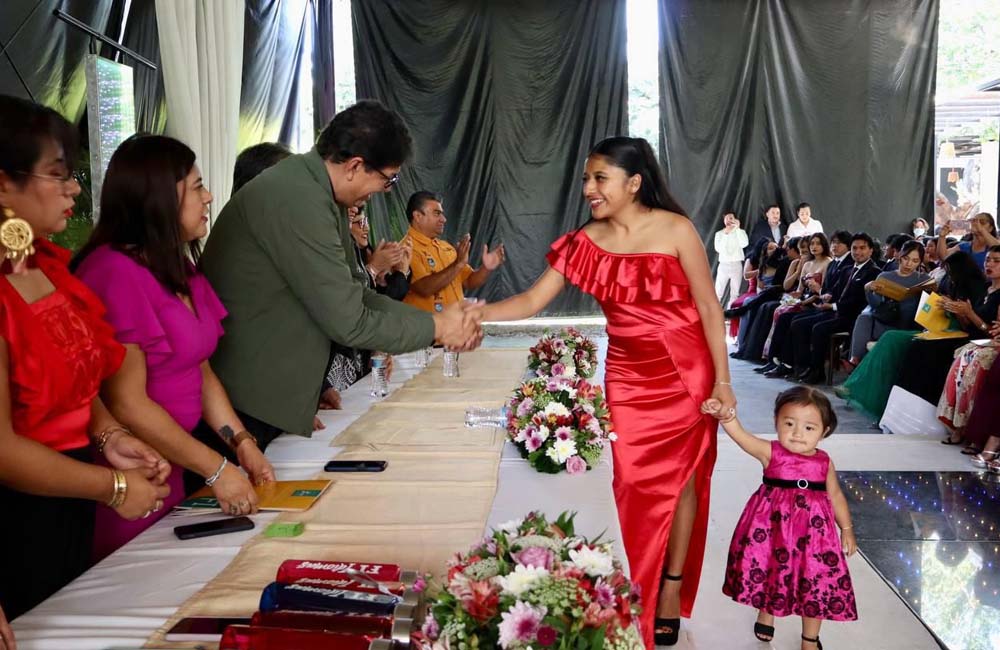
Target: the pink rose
pixel 535 556
pixel 575 465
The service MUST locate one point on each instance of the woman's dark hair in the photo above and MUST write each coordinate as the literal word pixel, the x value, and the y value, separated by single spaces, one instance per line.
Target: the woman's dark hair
pixel 770 260
pixel 913 245
pixel 140 210
pixel 993 222
pixel 823 241
pixel 758 250
pixel 966 280
pixel 635 156
pixel 253 160
pixel 369 130
pixel 793 244
pixel 806 396
pixel 993 249
pixel 25 129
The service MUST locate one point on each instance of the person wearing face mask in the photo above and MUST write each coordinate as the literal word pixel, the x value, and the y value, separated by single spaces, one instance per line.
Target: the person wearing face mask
pixel 282 261
pixel 919 228
pixel 55 350
pixel 440 272
pixel 885 313
pixel 729 244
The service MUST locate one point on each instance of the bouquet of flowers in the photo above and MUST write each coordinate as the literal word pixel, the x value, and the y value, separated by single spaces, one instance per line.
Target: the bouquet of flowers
pixel 567 353
pixel 559 423
pixel 534 584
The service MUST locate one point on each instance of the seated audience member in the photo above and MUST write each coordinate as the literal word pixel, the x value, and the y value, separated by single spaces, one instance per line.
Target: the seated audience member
pixel 868 387
pixel 440 272
pixel 802 298
pixel 769 226
pixel 55 349
pixel 926 363
pixel 282 261
pixel 730 242
pixel 774 267
pixel 918 228
pixel 984 235
pixel 883 313
pixel 141 260
pixel 932 263
pixel 388 269
pixel 982 441
pixel 804 348
pixel 893 248
pixel 972 360
pixel 253 160
pixel 754 312
pixel 805 225
pixel 750 273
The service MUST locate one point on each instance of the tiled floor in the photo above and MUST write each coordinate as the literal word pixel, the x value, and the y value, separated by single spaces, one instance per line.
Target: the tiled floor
pixel 928 571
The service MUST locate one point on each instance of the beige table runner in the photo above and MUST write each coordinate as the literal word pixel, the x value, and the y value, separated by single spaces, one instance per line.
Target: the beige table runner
pixel 432 500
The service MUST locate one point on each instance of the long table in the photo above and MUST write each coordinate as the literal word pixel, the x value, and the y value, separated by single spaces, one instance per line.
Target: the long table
pixel 121 601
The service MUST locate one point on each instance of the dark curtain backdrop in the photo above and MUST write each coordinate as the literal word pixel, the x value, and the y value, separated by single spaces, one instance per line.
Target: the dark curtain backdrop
pixel 273 47
pixel 829 102
pixel 48 53
pixel 324 90
pixel 142 38
pixel 504 99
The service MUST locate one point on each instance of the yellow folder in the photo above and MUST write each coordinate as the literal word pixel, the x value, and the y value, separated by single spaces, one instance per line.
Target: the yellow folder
pixel 938 323
pixel 277 495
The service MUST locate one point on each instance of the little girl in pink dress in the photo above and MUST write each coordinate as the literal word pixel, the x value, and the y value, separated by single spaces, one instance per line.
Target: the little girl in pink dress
pixel 786 557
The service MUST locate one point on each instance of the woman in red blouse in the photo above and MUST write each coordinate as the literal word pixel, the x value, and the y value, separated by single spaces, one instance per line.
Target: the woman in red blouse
pixel 55 350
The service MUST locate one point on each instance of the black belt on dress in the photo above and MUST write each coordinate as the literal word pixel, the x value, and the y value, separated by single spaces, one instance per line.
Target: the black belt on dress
pixel 802 484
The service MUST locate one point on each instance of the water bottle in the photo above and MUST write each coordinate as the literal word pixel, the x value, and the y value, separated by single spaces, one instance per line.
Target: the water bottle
pixel 477 416
pixel 380 386
pixel 421 357
pixel 450 364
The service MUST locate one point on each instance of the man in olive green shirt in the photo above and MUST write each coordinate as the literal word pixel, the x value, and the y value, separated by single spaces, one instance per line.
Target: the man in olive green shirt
pixel 281 259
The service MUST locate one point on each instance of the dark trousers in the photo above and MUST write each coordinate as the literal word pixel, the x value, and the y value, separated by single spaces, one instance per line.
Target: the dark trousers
pixel 753 308
pixel 46 544
pixel 262 431
pixel 753 343
pixel 821 334
pixel 797 350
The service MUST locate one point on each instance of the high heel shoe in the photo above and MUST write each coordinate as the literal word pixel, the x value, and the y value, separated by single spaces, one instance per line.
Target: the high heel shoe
pixel 983 458
pixel 666 631
pixel 819 645
pixel 763 632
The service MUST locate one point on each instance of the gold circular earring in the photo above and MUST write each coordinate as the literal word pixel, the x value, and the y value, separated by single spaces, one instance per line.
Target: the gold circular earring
pixel 16 237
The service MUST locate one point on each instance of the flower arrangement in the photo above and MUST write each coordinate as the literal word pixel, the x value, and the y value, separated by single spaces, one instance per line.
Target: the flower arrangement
pixel 567 353
pixel 559 423
pixel 534 584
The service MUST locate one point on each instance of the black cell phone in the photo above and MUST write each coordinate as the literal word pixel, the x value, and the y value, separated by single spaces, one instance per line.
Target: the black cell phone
pixel 356 466
pixel 202 628
pixel 214 527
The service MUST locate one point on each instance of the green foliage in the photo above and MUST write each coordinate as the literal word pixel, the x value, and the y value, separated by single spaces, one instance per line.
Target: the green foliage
pixel 968 44
pixel 79 226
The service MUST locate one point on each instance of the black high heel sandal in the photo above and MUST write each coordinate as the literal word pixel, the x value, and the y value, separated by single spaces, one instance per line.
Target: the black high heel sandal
pixel 760 631
pixel 671 627
pixel 819 646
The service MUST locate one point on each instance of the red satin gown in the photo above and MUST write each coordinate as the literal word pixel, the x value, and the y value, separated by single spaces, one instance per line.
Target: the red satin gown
pixel 659 371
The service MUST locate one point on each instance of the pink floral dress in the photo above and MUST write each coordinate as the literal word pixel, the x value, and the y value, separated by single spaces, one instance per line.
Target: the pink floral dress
pixel 785 557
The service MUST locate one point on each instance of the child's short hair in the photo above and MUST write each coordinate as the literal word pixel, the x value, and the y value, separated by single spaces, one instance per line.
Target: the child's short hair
pixel 806 396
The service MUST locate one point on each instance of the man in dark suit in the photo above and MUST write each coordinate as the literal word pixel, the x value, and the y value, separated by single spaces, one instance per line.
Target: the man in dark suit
pixel 768 226
pixel 811 340
pixel 781 346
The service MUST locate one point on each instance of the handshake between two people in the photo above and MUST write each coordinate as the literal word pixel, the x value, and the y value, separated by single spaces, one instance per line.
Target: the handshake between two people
pixel 459 326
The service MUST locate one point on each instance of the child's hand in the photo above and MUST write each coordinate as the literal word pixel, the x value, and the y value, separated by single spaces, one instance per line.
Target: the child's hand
pixel 711 406
pixel 848 543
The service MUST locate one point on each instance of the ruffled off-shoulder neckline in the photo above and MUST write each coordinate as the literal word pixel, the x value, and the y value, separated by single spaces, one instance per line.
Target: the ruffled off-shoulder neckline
pixel 618 277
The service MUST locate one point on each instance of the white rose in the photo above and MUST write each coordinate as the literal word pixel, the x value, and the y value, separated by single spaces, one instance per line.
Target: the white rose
pixel 592 562
pixel 521 580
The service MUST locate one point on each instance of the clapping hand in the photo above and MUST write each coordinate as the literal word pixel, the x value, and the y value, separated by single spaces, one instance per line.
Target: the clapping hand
pixel 493 258
pixel 386 256
pixel 463 248
pixel 404 263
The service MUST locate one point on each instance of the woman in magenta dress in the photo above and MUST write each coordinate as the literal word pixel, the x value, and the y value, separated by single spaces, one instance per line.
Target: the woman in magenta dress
pixel 643 260
pixel 140 261
pixel 786 557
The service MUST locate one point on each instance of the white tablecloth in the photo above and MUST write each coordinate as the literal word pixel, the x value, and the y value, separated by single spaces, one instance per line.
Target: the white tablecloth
pixel 122 600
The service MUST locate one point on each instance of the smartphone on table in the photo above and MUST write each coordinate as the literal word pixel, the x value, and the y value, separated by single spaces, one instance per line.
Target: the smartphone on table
pixel 214 527
pixel 356 466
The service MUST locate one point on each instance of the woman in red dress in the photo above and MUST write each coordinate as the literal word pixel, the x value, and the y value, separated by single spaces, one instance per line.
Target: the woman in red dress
pixel 55 350
pixel 642 259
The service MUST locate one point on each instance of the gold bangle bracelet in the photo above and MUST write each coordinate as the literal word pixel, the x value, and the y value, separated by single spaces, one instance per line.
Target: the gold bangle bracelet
pixel 121 489
pixel 104 436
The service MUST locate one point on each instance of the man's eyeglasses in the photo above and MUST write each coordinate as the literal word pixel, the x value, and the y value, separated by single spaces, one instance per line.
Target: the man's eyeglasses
pixel 389 180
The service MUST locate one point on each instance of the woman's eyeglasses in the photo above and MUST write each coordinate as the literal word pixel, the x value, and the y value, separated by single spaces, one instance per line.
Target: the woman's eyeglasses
pixel 361 221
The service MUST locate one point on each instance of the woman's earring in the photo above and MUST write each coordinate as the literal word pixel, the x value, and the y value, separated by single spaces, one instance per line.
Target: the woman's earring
pixel 16 237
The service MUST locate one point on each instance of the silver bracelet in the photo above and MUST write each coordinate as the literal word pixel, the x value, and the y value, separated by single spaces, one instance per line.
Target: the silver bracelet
pixel 210 481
